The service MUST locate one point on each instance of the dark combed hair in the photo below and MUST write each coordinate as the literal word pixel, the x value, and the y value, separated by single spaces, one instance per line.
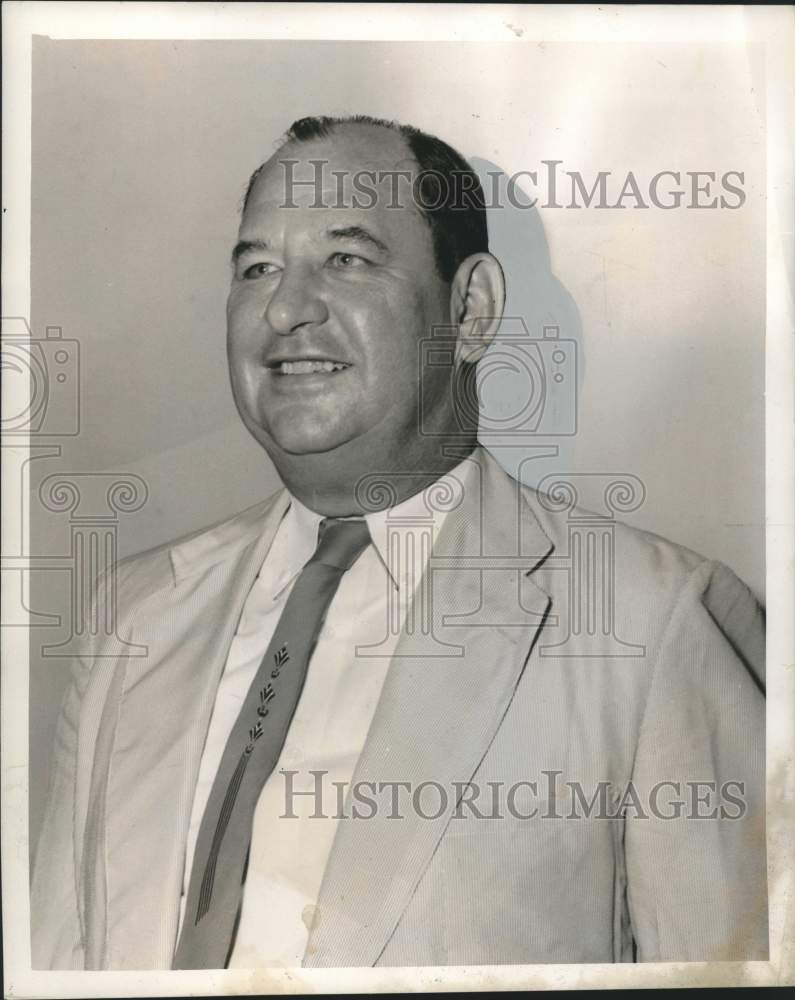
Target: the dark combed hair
pixel 447 190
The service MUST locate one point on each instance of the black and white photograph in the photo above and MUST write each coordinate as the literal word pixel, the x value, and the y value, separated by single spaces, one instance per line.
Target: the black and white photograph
pixel 397 544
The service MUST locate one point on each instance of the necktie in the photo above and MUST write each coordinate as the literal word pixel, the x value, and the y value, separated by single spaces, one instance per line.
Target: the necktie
pixel 215 890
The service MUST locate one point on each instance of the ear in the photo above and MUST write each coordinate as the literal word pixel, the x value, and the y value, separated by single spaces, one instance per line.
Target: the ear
pixel 477 299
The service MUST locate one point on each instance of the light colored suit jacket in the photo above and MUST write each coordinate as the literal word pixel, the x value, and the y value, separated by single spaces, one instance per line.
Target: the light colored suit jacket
pixel 573 645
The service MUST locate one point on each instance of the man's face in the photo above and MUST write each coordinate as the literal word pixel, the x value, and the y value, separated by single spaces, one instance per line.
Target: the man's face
pixel 328 305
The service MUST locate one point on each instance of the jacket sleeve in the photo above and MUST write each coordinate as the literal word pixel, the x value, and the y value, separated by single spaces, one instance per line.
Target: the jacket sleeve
pixel 56 934
pixel 695 847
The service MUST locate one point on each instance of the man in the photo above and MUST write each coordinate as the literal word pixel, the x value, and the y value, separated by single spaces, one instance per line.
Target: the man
pixel 368 729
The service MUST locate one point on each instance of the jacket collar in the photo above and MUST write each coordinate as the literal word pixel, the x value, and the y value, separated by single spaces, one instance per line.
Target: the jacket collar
pixel 225 541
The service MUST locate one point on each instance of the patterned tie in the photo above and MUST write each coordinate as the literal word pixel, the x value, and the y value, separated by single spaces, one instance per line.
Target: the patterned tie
pixel 255 743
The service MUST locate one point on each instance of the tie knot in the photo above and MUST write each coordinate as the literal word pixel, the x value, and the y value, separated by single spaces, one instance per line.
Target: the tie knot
pixel 341 541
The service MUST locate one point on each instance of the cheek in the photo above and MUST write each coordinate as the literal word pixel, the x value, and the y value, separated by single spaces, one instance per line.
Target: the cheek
pixel 243 327
pixel 388 330
pixel 244 351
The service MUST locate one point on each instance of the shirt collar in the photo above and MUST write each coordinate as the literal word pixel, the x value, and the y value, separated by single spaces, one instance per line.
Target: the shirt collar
pixel 403 536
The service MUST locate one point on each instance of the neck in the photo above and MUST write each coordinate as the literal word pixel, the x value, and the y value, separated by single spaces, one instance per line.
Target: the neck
pixel 322 485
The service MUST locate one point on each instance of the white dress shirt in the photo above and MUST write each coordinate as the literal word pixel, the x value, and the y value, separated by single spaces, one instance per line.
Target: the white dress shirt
pixel 289 853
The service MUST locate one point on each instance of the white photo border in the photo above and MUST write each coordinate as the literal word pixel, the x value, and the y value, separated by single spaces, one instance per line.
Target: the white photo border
pixel 769 26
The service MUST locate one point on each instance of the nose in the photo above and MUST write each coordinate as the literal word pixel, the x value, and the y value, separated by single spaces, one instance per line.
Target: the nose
pixel 295 302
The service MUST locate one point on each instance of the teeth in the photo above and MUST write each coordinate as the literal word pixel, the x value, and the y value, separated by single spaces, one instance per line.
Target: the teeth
pixel 309 367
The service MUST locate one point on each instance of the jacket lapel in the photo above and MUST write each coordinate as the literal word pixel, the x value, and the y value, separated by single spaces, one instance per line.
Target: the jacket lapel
pixel 437 714
pixel 144 779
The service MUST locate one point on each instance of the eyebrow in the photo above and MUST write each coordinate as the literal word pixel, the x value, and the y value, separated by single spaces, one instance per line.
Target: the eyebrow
pixel 357 233
pixel 246 246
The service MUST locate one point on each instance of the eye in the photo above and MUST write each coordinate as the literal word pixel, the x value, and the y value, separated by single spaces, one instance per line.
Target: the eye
pixel 261 270
pixel 347 261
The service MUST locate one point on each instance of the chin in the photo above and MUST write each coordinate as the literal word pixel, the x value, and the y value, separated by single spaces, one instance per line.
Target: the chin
pixel 295 438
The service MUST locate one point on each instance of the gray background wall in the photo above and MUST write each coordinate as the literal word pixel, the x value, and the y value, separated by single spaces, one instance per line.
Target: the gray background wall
pixel 141 151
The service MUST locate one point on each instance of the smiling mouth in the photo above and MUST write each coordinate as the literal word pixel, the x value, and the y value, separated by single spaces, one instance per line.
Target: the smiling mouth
pixel 308 366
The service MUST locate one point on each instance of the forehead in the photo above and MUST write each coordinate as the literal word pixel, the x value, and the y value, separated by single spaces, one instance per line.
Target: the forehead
pixel 358 170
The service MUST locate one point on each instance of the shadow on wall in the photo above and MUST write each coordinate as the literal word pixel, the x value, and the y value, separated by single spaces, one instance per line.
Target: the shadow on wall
pixel 530 379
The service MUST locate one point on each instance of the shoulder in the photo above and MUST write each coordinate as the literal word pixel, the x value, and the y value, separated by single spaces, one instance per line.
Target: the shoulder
pixel 647 584
pixel 641 559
